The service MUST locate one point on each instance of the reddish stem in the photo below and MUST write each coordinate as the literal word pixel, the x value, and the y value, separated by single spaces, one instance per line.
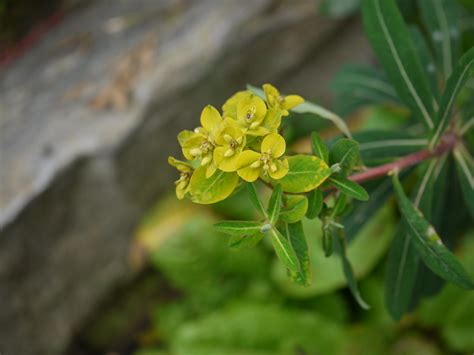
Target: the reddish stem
pixel 448 142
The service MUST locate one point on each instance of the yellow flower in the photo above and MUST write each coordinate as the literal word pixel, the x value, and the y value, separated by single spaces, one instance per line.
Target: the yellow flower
pixel 231 142
pixel 251 164
pixel 251 112
pixel 276 100
pixel 186 170
pixel 200 144
pixel 229 109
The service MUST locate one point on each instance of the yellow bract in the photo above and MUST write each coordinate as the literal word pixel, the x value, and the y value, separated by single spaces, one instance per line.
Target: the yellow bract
pixel 276 100
pixel 200 144
pixel 251 111
pixel 231 142
pixel 243 141
pixel 186 171
pixel 229 109
pixel 251 164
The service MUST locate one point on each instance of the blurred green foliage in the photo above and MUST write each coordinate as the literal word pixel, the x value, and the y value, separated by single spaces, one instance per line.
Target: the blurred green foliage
pixel 229 305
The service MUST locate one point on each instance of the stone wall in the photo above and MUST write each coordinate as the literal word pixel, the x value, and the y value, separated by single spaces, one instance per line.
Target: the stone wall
pixel 89 116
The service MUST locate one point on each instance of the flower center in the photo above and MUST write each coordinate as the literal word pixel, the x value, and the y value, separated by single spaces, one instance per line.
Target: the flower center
pixel 266 158
pixel 205 146
pixel 183 177
pixel 233 144
pixel 281 99
pixel 250 114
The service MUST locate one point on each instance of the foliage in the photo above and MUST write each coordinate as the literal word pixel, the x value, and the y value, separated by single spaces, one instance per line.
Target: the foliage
pixel 425 79
pixel 230 305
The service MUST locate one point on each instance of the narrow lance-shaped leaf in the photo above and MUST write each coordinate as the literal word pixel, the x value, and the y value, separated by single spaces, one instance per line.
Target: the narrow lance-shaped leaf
pixel 463 71
pixel 255 199
pixel 465 171
pixel 441 19
pixel 358 85
pixel 400 276
pixel 239 227
pixel 383 144
pixel 427 61
pixel 348 271
pixel 274 205
pixel 396 51
pixel 297 240
pixel 349 187
pixel 284 250
pixel 319 148
pixel 380 191
pixel 428 244
pixel 315 203
pixel 403 261
pixel 309 107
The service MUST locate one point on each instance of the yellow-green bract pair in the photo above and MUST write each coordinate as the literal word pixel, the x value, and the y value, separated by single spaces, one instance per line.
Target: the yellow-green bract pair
pixel 243 140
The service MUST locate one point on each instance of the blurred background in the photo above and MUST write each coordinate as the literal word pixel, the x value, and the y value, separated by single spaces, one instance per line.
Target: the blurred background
pixel 96 254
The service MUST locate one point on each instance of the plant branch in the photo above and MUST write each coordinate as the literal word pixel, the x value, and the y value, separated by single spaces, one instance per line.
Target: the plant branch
pixel 448 142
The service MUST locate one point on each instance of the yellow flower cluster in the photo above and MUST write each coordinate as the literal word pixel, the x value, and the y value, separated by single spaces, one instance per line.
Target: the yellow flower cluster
pixel 244 139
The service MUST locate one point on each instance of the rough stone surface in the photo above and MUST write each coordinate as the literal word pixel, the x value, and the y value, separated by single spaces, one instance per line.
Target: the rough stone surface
pixel 88 118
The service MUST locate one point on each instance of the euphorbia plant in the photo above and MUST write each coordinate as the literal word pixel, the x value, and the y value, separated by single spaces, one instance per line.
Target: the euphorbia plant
pixel 431 156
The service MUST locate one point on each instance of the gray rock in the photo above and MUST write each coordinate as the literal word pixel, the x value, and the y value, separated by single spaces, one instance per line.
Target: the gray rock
pixel 88 118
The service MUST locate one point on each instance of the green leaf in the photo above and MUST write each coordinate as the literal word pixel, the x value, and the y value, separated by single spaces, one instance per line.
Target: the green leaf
pixel 426 59
pixel 349 272
pixel 465 170
pixel 428 244
pixel 360 85
pixel 327 240
pixel 295 209
pixel 392 42
pixel 378 144
pixel 315 203
pixel 253 327
pixel 214 189
pixel 274 205
pixel 239 227
pixel 319 148
pixel 284 250
pixel 350 188
pixel 456 326
pixel 305 174
pixel 239 242
pixel 456 81
pixel 468 4
pixel 441 19
pixel 309 107
pixel 437 208
pixel 340 206
pixel 400 276
pixel 403 261
pixel 255 199
pixel 380 191
pixel 365 251
pixel 297 240
pixel 345 152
